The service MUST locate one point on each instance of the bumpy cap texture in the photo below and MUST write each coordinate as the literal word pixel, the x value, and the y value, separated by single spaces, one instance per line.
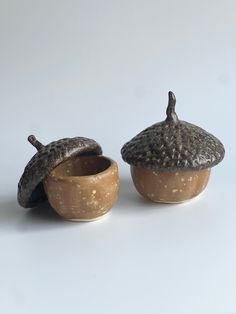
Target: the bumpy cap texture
pixel 173 145
pixel 30 186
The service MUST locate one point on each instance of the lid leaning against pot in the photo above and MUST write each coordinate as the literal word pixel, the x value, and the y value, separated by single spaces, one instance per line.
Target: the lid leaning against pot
pixel 30 187
pixel 173 145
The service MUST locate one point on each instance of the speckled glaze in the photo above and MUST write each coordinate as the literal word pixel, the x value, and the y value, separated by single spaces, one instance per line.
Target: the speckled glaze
pixel 172 187
pixel 171 160
pixel 83 188
pixel 30 187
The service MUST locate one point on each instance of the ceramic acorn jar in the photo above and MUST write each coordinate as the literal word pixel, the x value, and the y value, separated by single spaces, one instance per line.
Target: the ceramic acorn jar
pixel 171 160
pixel 72 174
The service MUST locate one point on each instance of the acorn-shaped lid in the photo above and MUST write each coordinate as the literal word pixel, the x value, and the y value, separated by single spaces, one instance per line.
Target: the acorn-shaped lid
pixel 30 187
pixel 173 145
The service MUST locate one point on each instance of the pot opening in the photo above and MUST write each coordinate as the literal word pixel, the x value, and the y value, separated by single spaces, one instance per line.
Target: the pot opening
pixel 82 166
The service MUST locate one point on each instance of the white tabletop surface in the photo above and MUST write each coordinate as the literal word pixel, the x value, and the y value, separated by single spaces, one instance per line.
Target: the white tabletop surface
pixel 102 69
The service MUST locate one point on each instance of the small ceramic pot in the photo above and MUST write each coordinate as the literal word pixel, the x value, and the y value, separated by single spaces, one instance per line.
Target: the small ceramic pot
pixel 171 160
pixel 73 175
pixel 169 187
pixel 83 188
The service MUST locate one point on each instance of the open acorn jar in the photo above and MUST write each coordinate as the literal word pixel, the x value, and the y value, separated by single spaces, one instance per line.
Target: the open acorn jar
pixel 171 160
pixel 79 182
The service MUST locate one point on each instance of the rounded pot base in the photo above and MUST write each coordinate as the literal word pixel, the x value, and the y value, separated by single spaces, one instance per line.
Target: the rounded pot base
pixel 179 202
pixel 169 187
pixel 86 219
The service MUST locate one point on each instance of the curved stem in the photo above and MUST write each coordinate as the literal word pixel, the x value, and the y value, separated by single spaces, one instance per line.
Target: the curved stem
pixel 170 111
pixel 32 139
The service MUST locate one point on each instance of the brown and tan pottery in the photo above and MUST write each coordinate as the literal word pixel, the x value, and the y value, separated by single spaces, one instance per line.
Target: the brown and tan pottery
pixel 169 187
pixel 72 174
pixel 171 161
pixel 83 188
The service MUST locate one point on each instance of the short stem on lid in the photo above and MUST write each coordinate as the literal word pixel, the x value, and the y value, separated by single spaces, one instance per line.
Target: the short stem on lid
pixel 170 111
pixel 32 139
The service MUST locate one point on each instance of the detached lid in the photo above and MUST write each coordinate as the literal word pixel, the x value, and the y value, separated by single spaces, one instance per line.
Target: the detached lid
pixel 30 187
pixel 173 145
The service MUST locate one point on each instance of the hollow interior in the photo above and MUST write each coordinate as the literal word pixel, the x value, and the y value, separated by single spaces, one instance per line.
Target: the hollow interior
pixel 82 166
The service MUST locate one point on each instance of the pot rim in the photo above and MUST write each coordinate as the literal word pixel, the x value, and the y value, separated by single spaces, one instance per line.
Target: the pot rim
pixel 113 164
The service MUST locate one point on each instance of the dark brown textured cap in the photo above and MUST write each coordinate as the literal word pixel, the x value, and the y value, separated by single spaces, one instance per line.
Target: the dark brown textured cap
pixel 30 187
pixel 173 145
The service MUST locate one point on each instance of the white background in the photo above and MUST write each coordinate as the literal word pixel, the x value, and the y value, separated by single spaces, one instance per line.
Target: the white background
pixel 102 69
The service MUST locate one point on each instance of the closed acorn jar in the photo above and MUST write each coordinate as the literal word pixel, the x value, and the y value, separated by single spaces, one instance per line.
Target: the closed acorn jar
pixel 171 160
pixel 72 174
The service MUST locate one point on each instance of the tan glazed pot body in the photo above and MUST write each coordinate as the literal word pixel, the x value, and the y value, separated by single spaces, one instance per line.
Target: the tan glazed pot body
pixel 83 188
pixel 169 187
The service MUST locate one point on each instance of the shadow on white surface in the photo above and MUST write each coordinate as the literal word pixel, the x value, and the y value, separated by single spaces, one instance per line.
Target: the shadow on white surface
pixel 13 218
pixel 131 200
pixel 43 212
